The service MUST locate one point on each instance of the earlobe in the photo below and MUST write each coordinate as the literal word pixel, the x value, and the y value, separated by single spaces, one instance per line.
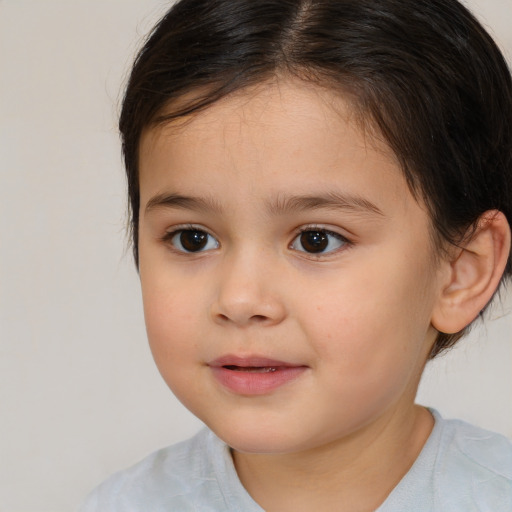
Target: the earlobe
pixel 473 274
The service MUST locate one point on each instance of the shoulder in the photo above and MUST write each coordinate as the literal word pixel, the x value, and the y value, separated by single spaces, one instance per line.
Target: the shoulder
pixel 179 476
pixel 476 446
pixel 473 465
pixel 462 468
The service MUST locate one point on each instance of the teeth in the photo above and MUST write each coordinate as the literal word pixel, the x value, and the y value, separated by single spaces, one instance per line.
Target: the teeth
pixel 252 369
pixel 265 370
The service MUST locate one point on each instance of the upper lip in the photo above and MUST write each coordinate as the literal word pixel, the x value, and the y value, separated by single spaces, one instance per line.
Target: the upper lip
pixel 250 362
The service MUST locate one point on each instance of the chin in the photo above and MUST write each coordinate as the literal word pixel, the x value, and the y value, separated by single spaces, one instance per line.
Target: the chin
pixel 261 438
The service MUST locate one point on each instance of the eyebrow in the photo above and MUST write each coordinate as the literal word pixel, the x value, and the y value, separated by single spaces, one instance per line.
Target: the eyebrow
pixel 278 206
pixel 176 201
pixel 330 200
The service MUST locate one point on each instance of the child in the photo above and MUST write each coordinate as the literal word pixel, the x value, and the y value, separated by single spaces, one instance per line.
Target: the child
pixel 321 195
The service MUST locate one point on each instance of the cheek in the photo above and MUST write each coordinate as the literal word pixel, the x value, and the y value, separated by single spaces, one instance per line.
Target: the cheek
pixel 370 357
pixel 371 322
pixel 169 317
pixel 173 335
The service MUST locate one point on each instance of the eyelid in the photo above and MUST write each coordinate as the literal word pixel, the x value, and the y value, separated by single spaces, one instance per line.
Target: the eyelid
pixel 346 242
pixel 171 232
pixel 336 231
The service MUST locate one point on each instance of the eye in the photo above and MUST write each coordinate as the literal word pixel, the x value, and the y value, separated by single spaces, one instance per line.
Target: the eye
pixel 192 240
pixel 318 241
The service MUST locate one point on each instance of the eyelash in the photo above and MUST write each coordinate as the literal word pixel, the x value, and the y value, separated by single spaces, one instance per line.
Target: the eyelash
pixel 169 237
pixel 344 243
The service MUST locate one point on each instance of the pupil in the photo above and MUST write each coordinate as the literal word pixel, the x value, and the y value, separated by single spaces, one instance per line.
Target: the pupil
pixel 314 241
pixel 193 240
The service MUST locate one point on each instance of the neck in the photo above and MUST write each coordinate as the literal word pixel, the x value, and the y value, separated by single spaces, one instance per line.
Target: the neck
pixel 356 473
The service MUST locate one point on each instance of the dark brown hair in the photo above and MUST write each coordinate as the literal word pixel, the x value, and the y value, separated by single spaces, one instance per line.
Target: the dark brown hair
pixel 425 74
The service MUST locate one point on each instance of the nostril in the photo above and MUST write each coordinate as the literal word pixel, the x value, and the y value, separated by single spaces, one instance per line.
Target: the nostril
pixel 259 318
pixel 247 310
pixel 256 319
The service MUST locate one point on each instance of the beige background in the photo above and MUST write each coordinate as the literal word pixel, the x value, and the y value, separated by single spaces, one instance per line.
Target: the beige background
pixel 79 395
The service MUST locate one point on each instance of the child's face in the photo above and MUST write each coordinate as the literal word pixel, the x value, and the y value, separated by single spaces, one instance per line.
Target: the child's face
pixel 338 317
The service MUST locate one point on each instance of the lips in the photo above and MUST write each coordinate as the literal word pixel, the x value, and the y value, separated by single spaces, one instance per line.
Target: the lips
pixel 253 375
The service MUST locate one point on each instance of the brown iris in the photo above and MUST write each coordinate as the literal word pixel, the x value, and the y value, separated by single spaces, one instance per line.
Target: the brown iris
pixel 193 240
pixel 314 241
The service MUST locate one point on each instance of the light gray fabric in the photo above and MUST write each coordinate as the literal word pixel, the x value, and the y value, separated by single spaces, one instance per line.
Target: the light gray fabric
pixel 461 468
pixel 197 475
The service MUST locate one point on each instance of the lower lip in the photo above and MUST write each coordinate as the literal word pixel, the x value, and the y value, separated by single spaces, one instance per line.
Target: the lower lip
pixel 256 383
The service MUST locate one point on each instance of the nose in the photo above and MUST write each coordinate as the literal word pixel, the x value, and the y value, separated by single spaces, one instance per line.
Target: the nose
pixel 248 293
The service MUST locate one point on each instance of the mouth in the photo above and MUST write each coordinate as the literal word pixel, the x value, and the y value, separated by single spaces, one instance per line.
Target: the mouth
pixel 251 369
pixel 254 375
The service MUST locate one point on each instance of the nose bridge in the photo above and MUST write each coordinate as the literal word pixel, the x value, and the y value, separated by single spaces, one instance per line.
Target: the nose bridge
pixel 247 291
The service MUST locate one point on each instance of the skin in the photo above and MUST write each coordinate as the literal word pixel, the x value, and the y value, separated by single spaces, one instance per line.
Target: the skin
pixel 358 317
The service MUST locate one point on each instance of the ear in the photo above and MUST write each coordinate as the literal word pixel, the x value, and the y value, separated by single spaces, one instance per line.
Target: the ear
pixel 472 275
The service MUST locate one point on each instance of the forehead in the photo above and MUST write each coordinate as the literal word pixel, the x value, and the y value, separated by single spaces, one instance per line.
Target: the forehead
pixel 284 135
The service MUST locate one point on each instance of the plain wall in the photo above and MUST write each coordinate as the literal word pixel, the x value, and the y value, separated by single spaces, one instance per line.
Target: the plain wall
pixel 79 394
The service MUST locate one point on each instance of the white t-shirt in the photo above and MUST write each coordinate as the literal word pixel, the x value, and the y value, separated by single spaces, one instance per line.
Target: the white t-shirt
pixel 461 468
